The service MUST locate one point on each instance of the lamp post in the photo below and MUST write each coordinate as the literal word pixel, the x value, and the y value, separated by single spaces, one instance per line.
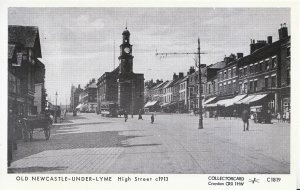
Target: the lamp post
pixel 200 125
pixel 55 114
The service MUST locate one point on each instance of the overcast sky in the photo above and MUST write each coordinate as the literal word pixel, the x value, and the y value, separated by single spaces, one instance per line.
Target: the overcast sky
pixel 78 43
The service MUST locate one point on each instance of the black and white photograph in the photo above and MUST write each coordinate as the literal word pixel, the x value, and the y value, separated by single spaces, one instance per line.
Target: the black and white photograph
pixel 149 95
pixel 149 90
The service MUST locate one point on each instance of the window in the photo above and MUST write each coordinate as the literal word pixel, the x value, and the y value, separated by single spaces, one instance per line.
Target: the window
pixel 245 87
pixel 220 76
pixel 225 75
pixel 288 51
pixel 261 66
pixel 245 71
pixel 251 86
pixel 241 72
pixel 267 65
pixel 256 67
pixel 266 83
pixel 229 73
pixel 208 88
pixel 251 69
pixel 232 72
pixel 274 62
pixel 288 77
pixel 273 81
pixel 255 86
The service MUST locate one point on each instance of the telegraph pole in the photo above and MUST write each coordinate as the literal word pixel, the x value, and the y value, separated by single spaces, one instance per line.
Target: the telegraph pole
pixel 199 76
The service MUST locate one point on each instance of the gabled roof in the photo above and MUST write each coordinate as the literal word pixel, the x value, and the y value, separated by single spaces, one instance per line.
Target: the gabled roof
pixel 11 50
pixel 26 36
pixel 218 65
pixel 160 84
pixel 168 84
pixel 182 79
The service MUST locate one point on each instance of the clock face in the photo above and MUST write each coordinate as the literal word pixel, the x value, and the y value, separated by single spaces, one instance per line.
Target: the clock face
pixel 127 50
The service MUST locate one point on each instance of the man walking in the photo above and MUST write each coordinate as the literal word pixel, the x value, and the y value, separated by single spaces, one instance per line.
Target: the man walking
pixel 140 115
pixel 125 115
pixel 152 118
pixel 245 118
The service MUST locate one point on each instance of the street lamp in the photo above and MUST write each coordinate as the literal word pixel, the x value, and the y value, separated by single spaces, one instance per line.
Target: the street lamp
pixel 199 76
pixel 55 114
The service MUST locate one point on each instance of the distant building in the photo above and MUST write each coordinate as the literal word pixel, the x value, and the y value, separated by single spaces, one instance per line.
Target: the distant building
pixel 74 99
pixel 88 97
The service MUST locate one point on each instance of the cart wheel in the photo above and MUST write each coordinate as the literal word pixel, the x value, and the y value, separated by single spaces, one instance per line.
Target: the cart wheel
pixel 47 132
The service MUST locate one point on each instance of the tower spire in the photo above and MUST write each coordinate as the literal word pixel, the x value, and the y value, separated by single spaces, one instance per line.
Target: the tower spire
pixel 126 25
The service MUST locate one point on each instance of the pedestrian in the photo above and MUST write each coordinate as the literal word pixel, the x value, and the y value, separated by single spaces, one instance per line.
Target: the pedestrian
pixel 140 115
pixel 216 115
pixel 287 116
pixel 278 117
pixel 152 118
pixel 234 113
pixel 125 115
pixel 283 117
pixel 245 118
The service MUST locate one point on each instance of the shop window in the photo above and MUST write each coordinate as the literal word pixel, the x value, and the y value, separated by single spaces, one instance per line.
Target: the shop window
pixel 241 88
pixel 245 87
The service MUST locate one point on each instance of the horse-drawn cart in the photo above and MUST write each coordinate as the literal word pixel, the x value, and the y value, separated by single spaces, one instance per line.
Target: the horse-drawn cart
pixel 33 122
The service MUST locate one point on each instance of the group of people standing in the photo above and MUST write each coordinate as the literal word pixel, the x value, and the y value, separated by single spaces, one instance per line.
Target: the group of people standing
pixel 139 117
pixel 284 118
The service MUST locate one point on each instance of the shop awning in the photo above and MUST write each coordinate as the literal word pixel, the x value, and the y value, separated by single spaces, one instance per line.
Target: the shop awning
pixel 79 106
pixel 258 97
pixel 227 102
pixel 209 100
pixel 246 100
pixel 151 103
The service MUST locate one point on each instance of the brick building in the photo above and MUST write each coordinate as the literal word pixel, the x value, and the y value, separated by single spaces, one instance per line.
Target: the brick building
pixel 259 80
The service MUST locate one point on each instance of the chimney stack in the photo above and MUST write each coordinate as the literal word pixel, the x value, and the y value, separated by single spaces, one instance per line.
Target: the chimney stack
pixel 239 55
pixel 283 31
pixel 269 39
pixel 175 76
pixel 180 75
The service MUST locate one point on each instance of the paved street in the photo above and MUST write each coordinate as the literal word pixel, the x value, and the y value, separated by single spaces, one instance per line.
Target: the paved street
pixel 173 144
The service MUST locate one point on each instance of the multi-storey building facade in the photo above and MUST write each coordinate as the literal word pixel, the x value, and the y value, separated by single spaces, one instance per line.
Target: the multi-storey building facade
pixel 24 69
pixel 257 80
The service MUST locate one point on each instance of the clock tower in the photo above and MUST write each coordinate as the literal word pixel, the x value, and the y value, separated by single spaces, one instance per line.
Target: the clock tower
pixel 126 58
pixel 130 84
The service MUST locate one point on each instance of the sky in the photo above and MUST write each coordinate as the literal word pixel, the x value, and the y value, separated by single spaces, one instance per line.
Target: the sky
pixel 78 43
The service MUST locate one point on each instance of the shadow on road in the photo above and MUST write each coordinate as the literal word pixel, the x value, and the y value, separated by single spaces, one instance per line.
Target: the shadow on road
pixel 75 141
pixel 34 169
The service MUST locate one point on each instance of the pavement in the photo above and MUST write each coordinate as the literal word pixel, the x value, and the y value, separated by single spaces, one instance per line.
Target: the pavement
pixel 92 144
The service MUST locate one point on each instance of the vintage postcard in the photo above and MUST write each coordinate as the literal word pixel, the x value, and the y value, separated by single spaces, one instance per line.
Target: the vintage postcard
pixel 156 96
